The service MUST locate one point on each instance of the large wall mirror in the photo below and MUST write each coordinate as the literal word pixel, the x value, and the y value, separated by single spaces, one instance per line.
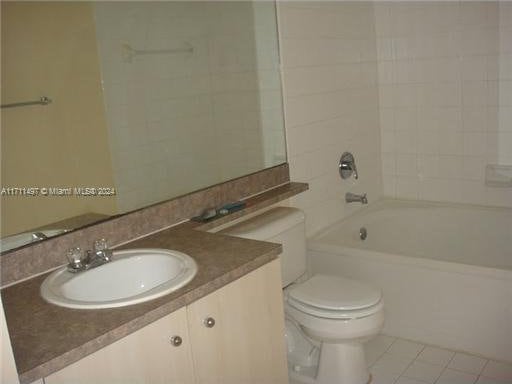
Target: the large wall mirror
pixel 149 101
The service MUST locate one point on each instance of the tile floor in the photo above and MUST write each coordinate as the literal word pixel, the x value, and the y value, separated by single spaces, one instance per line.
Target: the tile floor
pixel 397 361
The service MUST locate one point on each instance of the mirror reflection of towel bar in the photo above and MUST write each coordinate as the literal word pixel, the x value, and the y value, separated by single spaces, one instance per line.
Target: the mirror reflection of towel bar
pixel 43 100
pixel 129 53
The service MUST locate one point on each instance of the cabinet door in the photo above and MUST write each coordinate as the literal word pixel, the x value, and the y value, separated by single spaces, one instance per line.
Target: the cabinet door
pixel 144 357
pixel 246 345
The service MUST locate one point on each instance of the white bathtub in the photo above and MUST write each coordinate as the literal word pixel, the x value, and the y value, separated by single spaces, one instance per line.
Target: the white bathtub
pixel 445 270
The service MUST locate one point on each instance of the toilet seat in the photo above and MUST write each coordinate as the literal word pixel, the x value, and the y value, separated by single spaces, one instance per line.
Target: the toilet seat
pixel 334 297
pixel 342 315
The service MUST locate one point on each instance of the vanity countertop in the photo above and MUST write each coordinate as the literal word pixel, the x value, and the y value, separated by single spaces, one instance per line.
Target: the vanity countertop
pixel 46 338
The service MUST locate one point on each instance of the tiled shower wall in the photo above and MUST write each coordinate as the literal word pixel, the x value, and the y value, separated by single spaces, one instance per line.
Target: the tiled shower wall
pixel 445 94
pixel 441 72
pixel 214 112
pixel 328 54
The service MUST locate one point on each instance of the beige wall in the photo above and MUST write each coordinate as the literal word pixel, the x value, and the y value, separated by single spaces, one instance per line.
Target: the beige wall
pixel 50 49
pixel 331 103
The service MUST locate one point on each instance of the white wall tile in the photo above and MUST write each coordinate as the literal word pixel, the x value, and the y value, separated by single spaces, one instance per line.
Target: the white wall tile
pixel 475 144
pixel 389 185
pixel 331 101
pixel 450 167
pixel 189 109
pixel 428 142
pixel 407 187
pixel 444 72
pixel 451 142
pixel 406 165
pixel 474 68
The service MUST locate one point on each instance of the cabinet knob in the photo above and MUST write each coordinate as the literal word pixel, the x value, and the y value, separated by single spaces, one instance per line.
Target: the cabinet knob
pixel 176 341
pixel 209 322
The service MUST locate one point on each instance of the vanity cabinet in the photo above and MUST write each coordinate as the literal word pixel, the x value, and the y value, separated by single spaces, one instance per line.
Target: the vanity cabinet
pixel 233 335
pixel 246 344
pixel 143 357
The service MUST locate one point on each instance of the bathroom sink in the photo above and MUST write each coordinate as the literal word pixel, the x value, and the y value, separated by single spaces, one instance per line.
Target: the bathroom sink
pixel 134 276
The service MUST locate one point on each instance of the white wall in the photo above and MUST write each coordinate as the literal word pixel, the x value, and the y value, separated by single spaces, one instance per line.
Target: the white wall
pixel 180 122
pixel 503 132
pixel 445 98
pixel 328 55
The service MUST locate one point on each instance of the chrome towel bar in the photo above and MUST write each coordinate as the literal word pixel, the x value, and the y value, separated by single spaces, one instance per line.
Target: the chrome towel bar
pixel 128 53
pixel 43 100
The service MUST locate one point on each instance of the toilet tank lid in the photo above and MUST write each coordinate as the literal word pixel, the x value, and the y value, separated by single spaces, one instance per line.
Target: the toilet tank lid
pixel 267 225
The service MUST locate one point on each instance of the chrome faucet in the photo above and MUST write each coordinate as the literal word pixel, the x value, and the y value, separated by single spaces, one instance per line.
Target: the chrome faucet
pixel 353 198
pixel 79 262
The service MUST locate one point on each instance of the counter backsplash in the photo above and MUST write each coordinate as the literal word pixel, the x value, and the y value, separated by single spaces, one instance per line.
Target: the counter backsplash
pixel 37 258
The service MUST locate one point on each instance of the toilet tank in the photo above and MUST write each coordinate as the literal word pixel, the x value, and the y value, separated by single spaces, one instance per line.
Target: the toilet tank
pixel 281 225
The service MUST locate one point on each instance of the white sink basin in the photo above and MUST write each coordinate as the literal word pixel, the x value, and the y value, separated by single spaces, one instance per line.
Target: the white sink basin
pixel 134 276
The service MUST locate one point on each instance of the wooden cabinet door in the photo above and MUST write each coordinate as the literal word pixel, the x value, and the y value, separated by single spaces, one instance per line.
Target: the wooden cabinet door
pixel 246 345
pixel 144 357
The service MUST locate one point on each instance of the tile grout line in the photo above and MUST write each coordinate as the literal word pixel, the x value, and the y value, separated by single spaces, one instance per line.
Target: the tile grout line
pixel 441 373
pixel 447 365
pixel 411 363
pixel 472 373
pixel 483 369
pixel 383 353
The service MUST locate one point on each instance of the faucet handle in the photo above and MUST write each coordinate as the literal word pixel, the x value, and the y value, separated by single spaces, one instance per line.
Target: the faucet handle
pixel 76 258
pixel 101 250
pixel 347 166
pixel 100 245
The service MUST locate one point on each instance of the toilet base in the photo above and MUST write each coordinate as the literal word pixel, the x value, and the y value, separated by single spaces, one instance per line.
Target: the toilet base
pixel 339 364
pixel 342 359
pixel 343 363
pixel 299 378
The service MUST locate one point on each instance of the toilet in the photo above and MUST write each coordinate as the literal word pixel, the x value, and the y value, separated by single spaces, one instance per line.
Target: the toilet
pixel 327 318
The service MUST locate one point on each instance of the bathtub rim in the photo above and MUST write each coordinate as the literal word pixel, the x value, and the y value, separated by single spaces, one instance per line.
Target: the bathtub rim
pixel 383 202
pixel 314 244
pixel 432 264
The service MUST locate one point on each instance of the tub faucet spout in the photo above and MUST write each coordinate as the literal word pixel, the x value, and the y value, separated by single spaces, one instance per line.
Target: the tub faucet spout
pixel 354 198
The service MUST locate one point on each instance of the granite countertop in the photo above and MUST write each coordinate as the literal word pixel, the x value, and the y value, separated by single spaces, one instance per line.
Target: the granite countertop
pixel 46 338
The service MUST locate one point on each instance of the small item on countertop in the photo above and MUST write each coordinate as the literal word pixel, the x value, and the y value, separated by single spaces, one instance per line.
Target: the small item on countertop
pixel 232 207
pixel 212 213
pixel 207 215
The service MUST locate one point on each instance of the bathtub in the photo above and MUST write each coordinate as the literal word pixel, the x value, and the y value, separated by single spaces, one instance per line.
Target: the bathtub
pixel 445 270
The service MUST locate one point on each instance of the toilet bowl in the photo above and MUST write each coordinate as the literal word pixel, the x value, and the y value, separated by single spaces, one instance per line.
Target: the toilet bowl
pixel 328 318
pixel 341 314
